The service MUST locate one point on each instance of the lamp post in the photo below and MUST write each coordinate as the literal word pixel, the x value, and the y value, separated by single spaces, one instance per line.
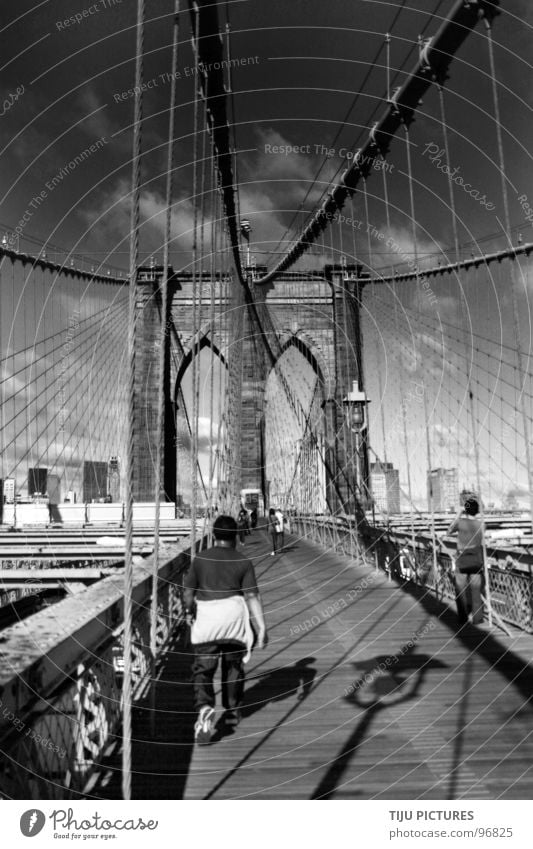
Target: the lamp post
pixel 354 404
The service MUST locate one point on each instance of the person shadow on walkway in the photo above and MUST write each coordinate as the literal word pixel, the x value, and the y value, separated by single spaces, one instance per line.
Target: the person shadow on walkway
pixel 384 681
pixel 275 686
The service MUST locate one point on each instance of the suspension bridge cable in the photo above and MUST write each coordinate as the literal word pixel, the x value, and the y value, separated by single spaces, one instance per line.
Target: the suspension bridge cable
pixel 405 101
pixel 516 317
pixel 401 386
pixel 506 421
pixel 370 117
pixel 132 321
pixel 195 322
pixel 163 341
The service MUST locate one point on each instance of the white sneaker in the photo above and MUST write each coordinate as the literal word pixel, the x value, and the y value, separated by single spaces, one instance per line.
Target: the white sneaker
pixel 205 726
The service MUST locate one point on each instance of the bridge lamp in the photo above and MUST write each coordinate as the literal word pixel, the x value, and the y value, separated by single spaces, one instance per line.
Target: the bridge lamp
pixel 354 406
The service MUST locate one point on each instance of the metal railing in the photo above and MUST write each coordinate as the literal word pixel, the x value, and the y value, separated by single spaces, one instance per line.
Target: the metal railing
pixel 336 533
pixel 410 558
pixel 60 680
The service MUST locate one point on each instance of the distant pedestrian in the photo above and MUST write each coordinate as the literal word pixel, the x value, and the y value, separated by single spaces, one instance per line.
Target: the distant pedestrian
pixel 273 530
pixel 469 571
pixel 221 599
pixel 242 524
pixel 280 528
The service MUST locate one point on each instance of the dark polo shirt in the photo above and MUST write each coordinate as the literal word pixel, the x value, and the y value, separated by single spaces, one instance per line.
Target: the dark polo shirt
pixel 220 573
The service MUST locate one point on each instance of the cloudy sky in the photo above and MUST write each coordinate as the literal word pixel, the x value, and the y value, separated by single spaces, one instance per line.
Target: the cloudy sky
pixel 311 75
pixel 304 65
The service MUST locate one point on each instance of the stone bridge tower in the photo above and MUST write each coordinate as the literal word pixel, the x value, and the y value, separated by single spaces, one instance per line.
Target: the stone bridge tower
pixel 318 312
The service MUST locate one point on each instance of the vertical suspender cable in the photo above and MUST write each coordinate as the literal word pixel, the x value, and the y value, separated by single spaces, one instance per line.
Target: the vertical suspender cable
pixel 198 326
pixel 464 328
pixel 214 241
pixel 353 456
pixel 355 259
pixel 370 262
pixel 424 394
pixel 455 233
pixel 164 336
pixel 516 317
pixel 134 258
pixel 195 328
pixel 401 384
pixel 482 511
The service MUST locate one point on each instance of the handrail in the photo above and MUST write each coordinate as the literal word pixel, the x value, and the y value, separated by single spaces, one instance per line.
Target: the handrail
pixel 60 679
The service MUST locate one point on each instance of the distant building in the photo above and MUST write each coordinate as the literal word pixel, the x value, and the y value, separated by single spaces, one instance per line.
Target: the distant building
pixel 443 490
pixel 54 489
pixel 385 484
pixel 94 481
pixel 113 477
pixel 37 481
pixel 9 490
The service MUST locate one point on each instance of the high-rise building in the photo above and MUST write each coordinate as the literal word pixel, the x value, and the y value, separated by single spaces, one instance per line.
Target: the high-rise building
pixel 385 482
pixel 9 490
pixel 443 490
pixel 54 489
pixel 113 478
pixel 94 481
pixel 37 481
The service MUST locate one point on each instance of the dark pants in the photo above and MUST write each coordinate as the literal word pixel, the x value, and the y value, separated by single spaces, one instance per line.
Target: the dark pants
pixel 277 541
pixel 204 666
pixel 468 596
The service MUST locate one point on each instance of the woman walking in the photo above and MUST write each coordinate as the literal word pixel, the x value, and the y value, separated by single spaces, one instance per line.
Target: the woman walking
pixel 469 563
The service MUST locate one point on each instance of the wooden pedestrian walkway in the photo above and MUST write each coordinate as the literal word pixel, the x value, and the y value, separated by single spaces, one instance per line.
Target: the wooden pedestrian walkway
pixel 365 691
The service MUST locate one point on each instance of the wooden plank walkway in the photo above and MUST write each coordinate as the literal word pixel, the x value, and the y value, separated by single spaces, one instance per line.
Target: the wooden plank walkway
pixel 366 691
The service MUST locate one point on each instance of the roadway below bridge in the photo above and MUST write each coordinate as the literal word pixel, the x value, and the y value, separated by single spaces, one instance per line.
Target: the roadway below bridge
pixel 365 691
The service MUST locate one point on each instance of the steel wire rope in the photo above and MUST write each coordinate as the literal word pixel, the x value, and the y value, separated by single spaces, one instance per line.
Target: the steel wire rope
pixel 210 292
pixel 215 229
pixel 195 326
pixel 496 377
pixel 349 435
pixel 367 123
pixel 403 346
pixel 464 312
pixel 51 369
pixel 343 124
pixel 46 339
pixel 424 398
pixel 507 222
pixel 201 287
pixel 372 289
pixel 132 322
pixel 60 412
pixel 401 383
pixel 164 335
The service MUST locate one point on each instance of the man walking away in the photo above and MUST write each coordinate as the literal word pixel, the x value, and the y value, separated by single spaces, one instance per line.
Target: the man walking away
pixel 221 600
